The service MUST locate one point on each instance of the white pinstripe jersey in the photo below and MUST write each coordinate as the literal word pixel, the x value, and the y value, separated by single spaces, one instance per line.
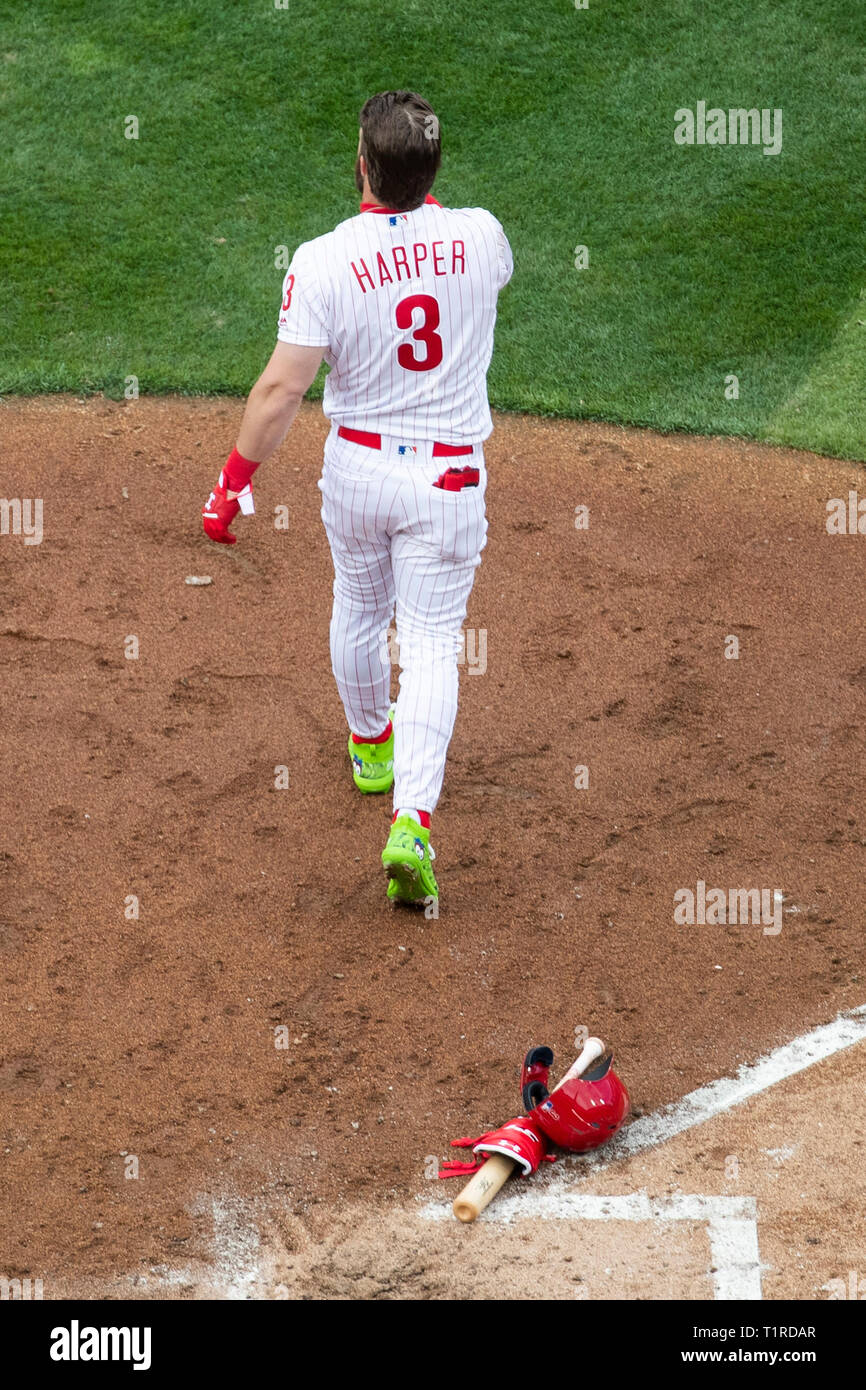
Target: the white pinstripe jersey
pixel 404 304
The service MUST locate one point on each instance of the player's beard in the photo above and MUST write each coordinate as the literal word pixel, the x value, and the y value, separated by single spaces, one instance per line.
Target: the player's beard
pixel 359 177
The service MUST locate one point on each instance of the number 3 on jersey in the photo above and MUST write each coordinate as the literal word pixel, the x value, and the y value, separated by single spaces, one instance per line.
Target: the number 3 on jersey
pixel 425 333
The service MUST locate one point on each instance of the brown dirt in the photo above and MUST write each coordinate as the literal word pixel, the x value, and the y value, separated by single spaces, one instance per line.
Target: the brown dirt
pixel 259 908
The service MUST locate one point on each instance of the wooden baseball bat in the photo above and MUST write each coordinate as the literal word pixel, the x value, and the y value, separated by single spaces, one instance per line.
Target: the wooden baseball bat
pixel 483 1186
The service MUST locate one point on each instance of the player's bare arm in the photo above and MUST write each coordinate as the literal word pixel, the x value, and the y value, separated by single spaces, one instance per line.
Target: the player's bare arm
pixel 273 402
pixel 271 407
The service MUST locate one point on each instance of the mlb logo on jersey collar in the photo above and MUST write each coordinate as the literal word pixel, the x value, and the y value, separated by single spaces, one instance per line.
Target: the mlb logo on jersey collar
pixel 407 448
pixel 397 217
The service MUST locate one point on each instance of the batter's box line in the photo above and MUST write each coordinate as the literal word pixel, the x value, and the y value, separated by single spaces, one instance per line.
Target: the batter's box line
pixel 732 1226
pixel 706 1102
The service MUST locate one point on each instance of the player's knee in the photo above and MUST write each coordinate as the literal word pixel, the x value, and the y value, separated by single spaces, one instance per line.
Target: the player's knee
pixel 428 649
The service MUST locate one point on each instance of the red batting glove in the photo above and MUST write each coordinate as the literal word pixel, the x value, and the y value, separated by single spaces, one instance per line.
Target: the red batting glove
pixel 220 510
pixel 520 1140
pixel 218 513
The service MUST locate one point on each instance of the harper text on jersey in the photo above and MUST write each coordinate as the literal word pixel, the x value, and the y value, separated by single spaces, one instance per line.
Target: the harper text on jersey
pixel 399 255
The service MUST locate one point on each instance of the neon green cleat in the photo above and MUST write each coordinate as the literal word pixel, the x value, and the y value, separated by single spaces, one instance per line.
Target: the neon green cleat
pixel 407 860
pixel 373 763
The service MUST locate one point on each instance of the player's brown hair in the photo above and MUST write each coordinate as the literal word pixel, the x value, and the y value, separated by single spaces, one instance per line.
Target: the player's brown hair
pixel 401 143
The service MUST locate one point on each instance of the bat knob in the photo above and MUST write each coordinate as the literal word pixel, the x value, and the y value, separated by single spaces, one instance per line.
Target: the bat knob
pixel 464 1211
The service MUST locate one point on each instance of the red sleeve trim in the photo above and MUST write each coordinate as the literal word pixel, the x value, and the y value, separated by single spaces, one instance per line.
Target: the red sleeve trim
pixel 395 212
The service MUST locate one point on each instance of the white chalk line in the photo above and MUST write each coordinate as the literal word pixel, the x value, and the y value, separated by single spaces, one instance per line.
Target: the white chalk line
pixel 707 1101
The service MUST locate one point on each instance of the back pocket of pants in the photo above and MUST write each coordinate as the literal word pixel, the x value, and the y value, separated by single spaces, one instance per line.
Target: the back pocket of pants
pixel 457 525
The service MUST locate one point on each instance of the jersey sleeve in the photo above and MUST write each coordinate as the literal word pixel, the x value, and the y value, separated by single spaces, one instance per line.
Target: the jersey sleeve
pixel 303 316
pixel 506 259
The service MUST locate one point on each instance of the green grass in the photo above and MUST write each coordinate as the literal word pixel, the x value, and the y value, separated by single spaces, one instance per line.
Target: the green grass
pixel 155 257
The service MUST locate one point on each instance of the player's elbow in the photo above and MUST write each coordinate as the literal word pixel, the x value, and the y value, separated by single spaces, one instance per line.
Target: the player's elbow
pixel 276 394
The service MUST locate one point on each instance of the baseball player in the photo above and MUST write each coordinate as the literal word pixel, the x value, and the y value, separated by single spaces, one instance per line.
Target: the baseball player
pixel 401 302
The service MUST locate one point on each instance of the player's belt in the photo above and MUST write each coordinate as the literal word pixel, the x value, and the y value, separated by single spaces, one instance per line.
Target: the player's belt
pixel 374 441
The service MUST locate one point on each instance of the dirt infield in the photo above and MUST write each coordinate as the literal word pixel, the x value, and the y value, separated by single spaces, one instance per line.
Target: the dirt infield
pixel 155 1038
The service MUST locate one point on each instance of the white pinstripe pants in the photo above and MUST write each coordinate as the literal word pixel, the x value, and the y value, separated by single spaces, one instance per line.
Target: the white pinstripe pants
pixel 397 540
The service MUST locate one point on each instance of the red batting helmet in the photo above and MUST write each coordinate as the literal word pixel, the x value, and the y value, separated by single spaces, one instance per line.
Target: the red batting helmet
pixel 585 1112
